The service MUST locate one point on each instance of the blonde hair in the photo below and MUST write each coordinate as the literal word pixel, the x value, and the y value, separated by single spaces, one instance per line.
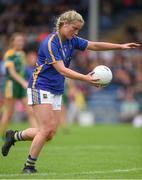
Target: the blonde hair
pixel 69 16
pixel 12 38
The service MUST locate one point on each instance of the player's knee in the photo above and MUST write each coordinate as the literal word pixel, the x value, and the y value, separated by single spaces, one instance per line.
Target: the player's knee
pixel 51 134
pixel 48 133
pixel 45 133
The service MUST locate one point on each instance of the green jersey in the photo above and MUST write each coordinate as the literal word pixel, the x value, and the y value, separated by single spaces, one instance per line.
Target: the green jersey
pixel 17 60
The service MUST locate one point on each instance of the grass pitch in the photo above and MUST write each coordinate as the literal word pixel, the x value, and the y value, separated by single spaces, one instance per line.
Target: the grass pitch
pixel 98 152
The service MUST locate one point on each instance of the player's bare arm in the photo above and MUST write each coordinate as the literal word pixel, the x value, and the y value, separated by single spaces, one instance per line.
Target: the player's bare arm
pixel 59 66
pixel 101 46
pixel 16 76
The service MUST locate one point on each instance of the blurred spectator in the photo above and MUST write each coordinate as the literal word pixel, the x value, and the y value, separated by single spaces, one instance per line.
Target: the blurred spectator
pixel 129 107
pixel 128 3
pixel 42 36
pixel 132 34
pixel 138 89
pixel 2 79
pixel 31 58
pixel 137 121
pixel 106 15
pixel 76 101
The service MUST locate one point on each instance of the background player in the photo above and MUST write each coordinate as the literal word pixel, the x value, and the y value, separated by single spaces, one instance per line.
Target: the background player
pixel 15 83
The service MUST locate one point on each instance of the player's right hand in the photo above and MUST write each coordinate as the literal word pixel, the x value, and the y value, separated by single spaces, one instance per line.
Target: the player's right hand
pixel 92 81
pixel 25 84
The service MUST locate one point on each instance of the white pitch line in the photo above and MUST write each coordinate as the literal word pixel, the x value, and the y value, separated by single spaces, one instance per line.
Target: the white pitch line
pixel 74 173
pixel 96 147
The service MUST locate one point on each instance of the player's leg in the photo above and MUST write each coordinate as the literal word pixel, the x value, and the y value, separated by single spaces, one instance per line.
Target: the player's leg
pixel 13 136
pixel 27 134
pixel 48 116
pixel 47 128
pixel 63 120
pixel 7 114
pixel 60 112
pixel 30 114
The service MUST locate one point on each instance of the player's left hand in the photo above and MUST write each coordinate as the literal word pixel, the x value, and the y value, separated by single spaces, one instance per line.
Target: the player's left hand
pixel 130 45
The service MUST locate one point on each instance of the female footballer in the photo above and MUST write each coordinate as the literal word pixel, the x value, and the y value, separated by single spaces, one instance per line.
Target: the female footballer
pixel 15 83
pixel 46 86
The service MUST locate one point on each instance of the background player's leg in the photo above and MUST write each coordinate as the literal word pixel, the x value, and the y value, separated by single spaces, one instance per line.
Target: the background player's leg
pixel 30 114
pixel 7 114
pixel 58 117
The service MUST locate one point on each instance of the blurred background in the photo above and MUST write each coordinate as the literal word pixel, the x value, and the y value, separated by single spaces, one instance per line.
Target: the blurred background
pixel 116 21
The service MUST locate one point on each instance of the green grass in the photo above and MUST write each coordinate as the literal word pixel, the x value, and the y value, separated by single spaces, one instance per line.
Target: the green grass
pixel 101 151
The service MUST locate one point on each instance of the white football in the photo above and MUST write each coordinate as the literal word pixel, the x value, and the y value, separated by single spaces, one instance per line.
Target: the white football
pixel 103 73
